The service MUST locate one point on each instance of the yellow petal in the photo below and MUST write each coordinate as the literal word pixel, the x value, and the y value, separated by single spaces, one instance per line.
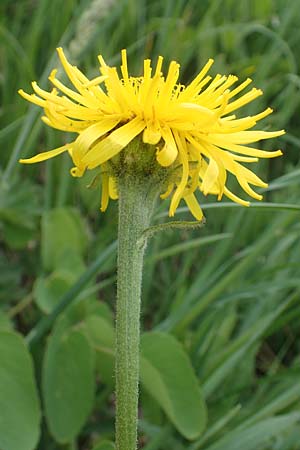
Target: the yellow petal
pixel 85 100
pixel 151 134
pixel 194 206
pixel 239 88
pixel 195 113
pixel 210 176
pixel 166 194
pixel 104 192
pixel 94 82
pixel 32 98
pixel 59 121
pixel 158 66
pixel 124 68
pixel 77 172
pixel 113 144
pixel 170 82
pixel 182 148
pixel 249 176
pixel 169 152
pixel 91 134
pixel 193 88
pixel 248 137
pixel 45 155
pixel 112 188
pixel 224 142
pixel 70 70
pixel 243 183
pixel 247 98
pixel 235 198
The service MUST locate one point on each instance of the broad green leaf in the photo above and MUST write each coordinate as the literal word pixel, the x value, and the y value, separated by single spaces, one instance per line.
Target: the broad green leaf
pixel 18 212
pixel 71 261
pixel 168 376
pixel 102 337
pixel 17 236
pixel 152 411
pixel 62 231
pixel 19 403
pixel 100 309
pixel 48 290
pixel 68 383
pixel 105 445
pixel 5 324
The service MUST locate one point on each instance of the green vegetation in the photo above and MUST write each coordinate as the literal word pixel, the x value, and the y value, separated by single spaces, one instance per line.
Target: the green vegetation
pixel 220 364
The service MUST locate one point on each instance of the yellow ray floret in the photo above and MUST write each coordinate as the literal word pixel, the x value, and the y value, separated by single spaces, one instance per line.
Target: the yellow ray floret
pixel 189 127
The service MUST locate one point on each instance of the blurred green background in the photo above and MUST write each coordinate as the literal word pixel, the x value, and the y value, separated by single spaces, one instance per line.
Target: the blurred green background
pixel 229 293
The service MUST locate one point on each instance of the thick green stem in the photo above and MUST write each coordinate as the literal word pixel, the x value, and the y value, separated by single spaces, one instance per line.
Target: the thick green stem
pixel 135 207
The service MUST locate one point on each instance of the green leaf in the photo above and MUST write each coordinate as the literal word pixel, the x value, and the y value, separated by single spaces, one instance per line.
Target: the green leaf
pixel 102 337
pixel 99 308
pixel 257 435
pixel 62 231
pixel 5 324
pixel 19 403
pixel 105 445
pixel 188 246
pixel 17 236
pixel 68 384
pixel 48 291
pixel 168 376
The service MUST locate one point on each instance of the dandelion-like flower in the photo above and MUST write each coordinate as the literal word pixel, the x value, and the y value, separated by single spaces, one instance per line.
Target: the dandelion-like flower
pixel 191 127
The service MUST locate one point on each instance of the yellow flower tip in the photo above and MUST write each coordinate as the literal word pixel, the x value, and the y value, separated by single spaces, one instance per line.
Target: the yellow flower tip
pixel 46 120
pixel 60 52
pixel 167 155
pixel 22 93
pixel 52 74
pixel 233 79
pixel 76 172
pixel 171 212
pixel 95 82
pixel 102 61
pixel 158 67
pixel 166 194
pixel 24 161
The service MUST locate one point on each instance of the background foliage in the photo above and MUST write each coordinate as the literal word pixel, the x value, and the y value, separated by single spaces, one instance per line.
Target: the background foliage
pixel 220 354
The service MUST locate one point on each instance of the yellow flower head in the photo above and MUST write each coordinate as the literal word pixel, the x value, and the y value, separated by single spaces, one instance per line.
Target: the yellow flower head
pixel 191 127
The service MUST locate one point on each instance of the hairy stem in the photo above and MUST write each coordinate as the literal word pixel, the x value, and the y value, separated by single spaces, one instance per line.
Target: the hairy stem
pixel 135 206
